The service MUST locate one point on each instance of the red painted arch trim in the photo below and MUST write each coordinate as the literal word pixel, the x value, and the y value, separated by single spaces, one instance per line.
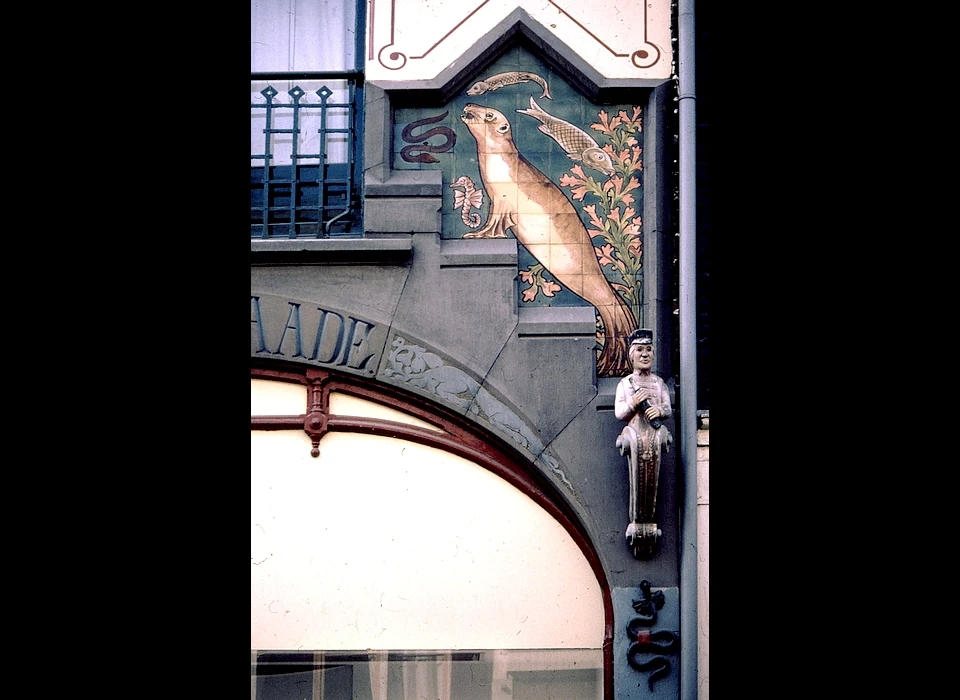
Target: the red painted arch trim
pixel 460 437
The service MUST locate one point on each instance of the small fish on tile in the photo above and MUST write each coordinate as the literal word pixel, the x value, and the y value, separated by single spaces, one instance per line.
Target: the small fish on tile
pixel 495 82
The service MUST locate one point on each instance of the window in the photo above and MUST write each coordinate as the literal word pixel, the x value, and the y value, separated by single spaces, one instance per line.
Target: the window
pixel 488 674
pixel 389 567
pixel 306 118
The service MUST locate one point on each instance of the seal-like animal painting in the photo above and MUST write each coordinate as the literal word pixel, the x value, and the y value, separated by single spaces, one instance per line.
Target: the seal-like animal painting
pixel 495 82
pixel 542 218
pixel 577 143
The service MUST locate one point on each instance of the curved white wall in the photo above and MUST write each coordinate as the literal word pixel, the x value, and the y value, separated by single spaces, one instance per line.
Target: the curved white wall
pixel 385 544
pixel 270 398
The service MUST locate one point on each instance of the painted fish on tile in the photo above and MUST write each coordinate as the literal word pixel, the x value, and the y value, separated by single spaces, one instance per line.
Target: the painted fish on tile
pixel 469 198
pixel 542 218
pixel 577 143
pixel 495 82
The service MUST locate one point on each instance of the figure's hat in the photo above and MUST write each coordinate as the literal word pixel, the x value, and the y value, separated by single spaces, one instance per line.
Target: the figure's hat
pixel 641 336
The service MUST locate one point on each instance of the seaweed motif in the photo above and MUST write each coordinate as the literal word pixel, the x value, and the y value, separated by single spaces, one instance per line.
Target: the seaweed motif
pixel 613 218
pixel 533 276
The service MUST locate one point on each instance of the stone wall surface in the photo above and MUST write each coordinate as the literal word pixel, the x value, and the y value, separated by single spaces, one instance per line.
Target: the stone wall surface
pixel 452 332
pixel 450 329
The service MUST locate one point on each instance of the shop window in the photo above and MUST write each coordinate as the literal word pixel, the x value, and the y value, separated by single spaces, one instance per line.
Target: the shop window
pixel 387 569
pixel 541 674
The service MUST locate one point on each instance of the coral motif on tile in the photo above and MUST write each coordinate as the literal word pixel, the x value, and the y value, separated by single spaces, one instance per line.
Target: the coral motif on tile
pixel 613 218
pixel 618 231
pixel 619 247
pixel 534 277
pixel 415 366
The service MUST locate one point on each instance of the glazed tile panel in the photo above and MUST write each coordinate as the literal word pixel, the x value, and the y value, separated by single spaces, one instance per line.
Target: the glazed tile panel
pixel 576 209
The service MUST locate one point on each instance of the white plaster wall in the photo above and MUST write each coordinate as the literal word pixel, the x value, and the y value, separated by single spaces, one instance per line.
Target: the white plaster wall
pixel 273 398
pixel 381 543
pixel 345 405
pixel 270 398
pixel 416 40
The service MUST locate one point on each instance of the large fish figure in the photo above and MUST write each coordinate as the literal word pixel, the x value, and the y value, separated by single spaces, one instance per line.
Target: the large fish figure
pixel 577 143
pixel 542 218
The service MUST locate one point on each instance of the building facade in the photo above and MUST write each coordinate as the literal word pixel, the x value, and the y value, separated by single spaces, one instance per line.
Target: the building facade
pixel 460 215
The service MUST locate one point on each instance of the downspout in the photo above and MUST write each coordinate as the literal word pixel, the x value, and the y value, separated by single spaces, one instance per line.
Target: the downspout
pixel 687 255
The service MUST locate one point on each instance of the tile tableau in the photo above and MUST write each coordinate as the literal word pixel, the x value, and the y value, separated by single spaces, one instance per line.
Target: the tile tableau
pixel 577 211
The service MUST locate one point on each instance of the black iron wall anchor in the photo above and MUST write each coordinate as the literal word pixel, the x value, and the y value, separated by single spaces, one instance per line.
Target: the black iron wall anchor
pixel 648 606
pixel 644 653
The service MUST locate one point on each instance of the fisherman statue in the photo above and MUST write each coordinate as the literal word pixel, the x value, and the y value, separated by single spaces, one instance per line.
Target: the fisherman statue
pixel 643 401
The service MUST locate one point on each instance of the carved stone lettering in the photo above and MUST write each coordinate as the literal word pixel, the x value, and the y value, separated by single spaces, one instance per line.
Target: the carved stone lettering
pixel 353 355
pixel 257 323
pixel 293 323
pixel 324 335
pixel 284 329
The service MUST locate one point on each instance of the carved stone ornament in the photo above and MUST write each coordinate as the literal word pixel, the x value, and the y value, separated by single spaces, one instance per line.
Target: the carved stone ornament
pixel 643 402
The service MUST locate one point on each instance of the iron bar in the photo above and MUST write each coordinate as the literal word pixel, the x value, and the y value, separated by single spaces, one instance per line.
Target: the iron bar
pixel 292 200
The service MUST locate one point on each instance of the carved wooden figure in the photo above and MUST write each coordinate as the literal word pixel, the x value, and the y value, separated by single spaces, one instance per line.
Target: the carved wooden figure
pixel 643 401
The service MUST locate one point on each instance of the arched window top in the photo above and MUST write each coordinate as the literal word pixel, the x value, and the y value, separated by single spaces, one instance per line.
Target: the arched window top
pixel 397 479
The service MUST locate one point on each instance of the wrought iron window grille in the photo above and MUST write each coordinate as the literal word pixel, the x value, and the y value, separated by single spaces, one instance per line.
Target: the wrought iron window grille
pixel 306 180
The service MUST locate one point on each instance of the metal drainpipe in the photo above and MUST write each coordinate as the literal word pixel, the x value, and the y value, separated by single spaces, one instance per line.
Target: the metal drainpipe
pixel 686 90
